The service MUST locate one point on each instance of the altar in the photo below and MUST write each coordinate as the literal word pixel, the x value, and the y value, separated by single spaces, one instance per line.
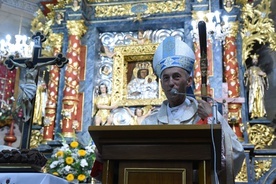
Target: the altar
pixel 37 178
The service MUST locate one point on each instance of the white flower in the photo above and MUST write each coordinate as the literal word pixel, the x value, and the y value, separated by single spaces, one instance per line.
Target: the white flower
pixel 65 147
pixel 89 149
pixel 54 164
pixel 83 163
pixel 75 155
pixel 67 168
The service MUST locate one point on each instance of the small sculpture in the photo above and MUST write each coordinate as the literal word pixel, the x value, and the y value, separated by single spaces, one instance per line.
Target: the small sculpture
pixel 256 80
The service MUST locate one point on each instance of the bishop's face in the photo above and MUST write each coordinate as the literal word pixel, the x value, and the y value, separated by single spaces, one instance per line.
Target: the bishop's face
pixel 175 78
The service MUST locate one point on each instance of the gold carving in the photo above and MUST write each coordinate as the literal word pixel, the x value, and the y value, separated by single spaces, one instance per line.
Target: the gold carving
pixel 234 29
pixel 41 23
pixel 260 135
pixel 242 175
pixel 124 56
pixel 36 138
pixel 257 27
pixel 76 27
pixel 68 134
pixel 261 167
pixel 107 10
pixel 52 44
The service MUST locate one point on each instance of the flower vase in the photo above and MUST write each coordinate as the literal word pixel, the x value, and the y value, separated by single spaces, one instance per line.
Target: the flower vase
pixel 10 137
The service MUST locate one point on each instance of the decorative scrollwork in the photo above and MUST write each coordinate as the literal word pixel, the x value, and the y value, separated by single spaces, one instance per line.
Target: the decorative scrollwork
pixel 124 9
pixel 257 27
pixel 261 167
pixel 260 135
pixel 242 175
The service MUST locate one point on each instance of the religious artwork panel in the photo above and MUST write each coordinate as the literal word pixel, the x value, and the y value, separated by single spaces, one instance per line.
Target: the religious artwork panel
pixel 125 68
pixel 134 82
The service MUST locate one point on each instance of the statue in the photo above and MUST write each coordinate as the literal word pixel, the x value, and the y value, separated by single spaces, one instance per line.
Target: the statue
pixel 141 38
pixel 228 5
pixel 76 5
pixel 139 114
pixel 104 106
pixel 256 80
pixel 59 18
pixel 40 101
pixel 106 51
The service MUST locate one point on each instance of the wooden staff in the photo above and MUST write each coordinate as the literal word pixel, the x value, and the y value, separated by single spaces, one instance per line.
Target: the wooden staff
pixel 203 57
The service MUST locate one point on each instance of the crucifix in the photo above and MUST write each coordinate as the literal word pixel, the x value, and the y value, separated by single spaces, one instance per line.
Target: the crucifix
pixel 225 100
pixel 28 88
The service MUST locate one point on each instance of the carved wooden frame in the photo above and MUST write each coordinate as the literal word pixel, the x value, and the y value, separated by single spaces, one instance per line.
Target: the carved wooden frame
pixel 124 55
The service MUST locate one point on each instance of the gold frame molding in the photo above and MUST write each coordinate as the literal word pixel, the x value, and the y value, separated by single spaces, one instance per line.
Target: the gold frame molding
pixel 124 55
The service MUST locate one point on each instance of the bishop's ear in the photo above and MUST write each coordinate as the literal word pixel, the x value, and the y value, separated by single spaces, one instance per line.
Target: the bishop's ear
pixel 189 81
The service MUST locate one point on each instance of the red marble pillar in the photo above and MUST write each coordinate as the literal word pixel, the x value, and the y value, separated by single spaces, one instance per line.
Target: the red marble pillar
pixel 52 95
pixel 71 98
pixel 197 71
pixel 50 110
pixel 231 77
pixel 210 73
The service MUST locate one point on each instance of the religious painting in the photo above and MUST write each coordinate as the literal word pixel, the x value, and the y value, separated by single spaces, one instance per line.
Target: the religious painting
pixel 141 82
pixel 134 82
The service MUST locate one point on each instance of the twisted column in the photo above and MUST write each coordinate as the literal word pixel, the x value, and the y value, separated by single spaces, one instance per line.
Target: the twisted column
pixel 231 76
pixel 50 110
pixel 70 112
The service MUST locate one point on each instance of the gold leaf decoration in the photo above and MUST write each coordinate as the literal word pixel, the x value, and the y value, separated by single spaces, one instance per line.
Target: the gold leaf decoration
pixel 260 135
pixel 107 10
pixel 257 27
pixel 242 175
pixel 261 167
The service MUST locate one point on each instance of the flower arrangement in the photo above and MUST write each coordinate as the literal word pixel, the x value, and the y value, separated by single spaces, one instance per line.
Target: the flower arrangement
pixel 7 112
pixel 72 161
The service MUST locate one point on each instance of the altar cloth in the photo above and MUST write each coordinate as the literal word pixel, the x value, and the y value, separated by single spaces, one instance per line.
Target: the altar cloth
pixel 34 178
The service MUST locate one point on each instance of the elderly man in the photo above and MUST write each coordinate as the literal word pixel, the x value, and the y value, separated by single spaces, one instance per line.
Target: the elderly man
pixel 173 63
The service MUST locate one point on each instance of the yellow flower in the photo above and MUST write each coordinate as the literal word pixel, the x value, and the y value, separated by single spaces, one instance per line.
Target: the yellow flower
pixel 81 177
pixel 55 173
pixel 59 154
pixel 74 144
pixel 82 153
pixel 69 160
pixel 70 177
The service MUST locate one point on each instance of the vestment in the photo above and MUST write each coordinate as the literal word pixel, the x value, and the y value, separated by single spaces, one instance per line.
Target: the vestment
pixel 232 150
pixel 161 117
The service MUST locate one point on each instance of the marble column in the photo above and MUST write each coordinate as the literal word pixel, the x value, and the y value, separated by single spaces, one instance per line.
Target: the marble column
pixel 52 95
pixel 70 112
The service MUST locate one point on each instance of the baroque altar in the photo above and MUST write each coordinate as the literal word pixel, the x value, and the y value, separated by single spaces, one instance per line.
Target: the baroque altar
pixel 108 42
